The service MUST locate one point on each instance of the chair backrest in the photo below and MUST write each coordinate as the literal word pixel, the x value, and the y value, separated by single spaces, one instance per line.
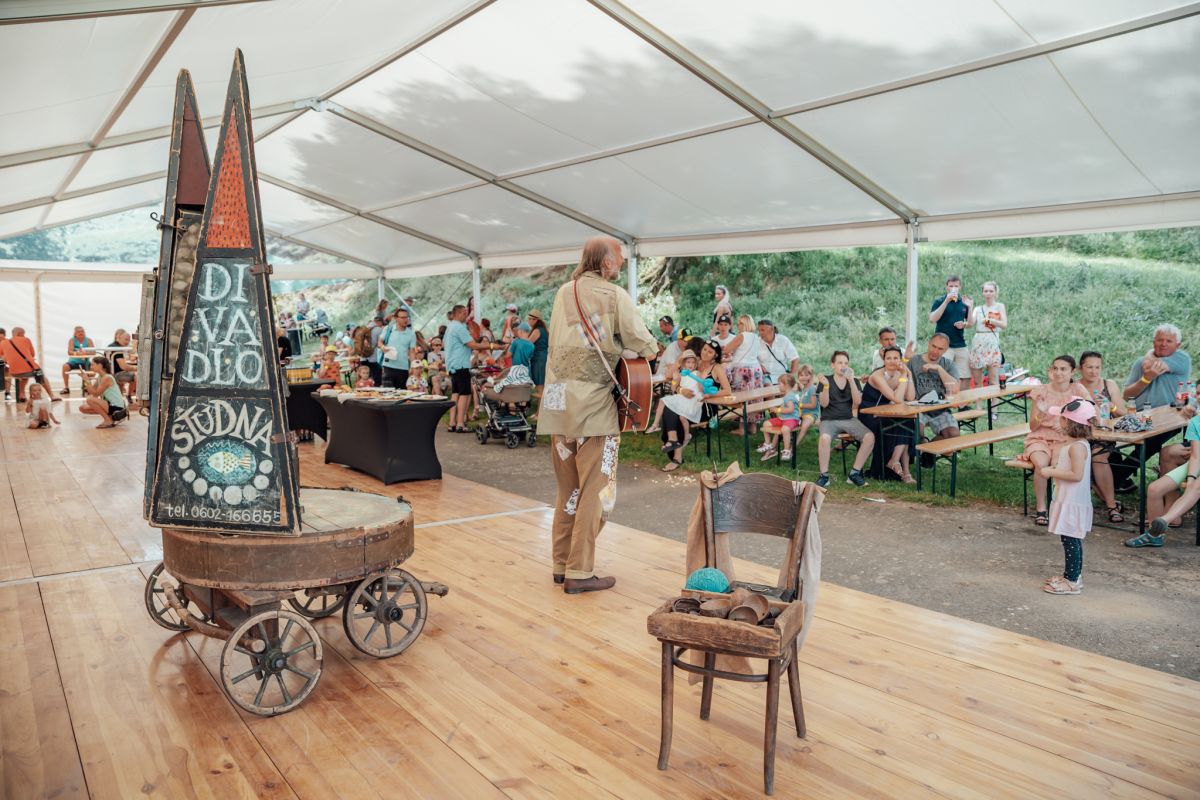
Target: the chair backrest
pixel 760 503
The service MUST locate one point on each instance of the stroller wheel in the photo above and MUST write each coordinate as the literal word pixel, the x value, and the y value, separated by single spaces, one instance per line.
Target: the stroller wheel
pixel 531 439
pixel 481 434
pixel 512 440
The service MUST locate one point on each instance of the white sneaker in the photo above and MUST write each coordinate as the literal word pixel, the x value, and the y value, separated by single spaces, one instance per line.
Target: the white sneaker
pixel 764 447
pixel 786 455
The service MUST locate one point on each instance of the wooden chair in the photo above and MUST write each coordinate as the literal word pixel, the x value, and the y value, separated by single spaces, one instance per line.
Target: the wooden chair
pixel 762 504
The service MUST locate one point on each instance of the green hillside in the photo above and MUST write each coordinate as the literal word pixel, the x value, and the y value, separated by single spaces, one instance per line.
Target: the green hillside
pixel 1066 294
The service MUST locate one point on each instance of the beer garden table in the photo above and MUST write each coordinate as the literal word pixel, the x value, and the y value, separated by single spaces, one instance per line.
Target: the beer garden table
pixel 1164 419
pixel 894 414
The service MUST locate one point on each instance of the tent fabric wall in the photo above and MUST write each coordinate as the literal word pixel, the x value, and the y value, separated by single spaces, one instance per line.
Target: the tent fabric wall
pixel 412 136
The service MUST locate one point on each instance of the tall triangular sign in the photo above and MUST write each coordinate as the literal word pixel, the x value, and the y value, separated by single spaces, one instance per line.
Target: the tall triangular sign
pixel 227 461
pixel 165 293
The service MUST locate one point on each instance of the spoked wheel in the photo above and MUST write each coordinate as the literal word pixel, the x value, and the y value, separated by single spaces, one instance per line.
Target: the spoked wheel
pixel 386 613
pixel 481 434
pixel 320 602
pixel 512 440
pixel 160 610
pixel 271 662
pixel 531 439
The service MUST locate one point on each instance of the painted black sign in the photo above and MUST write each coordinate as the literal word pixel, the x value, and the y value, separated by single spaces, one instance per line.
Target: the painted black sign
pixel 225 461
pixel 188 176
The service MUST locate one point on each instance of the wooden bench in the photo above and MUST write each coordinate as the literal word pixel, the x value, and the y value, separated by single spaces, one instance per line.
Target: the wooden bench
pixel 968 417
pixel 950 448
pixel 1027 466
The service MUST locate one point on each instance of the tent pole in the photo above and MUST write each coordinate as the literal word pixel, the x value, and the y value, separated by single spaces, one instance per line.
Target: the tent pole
pixel 633 272
pixel 37 314
pixel 913 273
pixel 381 286
pixel 477 287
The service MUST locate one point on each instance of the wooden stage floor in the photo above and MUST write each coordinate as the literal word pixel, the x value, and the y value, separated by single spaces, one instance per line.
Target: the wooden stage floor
pixel 516 689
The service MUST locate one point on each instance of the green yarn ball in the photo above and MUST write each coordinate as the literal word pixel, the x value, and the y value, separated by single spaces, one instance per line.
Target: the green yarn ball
pixel 708 579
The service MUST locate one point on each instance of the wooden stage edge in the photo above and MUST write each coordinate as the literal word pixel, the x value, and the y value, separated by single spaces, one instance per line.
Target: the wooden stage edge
pixel 515 689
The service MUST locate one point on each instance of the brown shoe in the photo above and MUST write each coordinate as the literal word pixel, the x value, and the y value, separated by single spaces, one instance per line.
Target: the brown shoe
pixel 559 578
pixel 592 584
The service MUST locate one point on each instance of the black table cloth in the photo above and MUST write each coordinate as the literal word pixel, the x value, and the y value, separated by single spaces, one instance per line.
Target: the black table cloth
pixel 393 441
pixel 304 413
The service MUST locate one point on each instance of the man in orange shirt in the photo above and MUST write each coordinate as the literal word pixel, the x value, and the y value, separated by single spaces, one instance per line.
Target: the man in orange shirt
pixel 18 353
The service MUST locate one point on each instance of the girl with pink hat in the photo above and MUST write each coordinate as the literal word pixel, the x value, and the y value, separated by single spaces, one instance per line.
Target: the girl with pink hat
pixel 1071 512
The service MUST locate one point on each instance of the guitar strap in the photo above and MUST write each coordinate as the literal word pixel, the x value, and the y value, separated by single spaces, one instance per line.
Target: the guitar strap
pixel 594 341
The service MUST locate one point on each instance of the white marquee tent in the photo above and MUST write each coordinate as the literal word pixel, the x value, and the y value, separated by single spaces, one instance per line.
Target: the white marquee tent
pixel 420 136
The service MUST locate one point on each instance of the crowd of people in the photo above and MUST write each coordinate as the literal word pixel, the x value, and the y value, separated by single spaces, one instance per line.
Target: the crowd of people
pixel 107 376
pixel 462 357
pixel 1063 411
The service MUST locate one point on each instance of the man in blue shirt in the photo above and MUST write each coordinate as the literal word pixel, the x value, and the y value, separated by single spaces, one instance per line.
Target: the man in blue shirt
pixel 459 345
pixel 949 314
pixel 1153 381
pixel 669 329
pixel 397 341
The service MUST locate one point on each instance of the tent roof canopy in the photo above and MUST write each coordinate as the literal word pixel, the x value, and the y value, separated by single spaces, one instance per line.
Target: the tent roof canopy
pixel 415 136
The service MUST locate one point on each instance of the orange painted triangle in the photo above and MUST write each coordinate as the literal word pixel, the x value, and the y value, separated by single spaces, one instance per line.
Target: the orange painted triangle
pixel 229 223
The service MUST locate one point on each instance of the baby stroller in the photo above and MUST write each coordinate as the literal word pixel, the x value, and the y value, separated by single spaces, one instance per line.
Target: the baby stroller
pixel 505 414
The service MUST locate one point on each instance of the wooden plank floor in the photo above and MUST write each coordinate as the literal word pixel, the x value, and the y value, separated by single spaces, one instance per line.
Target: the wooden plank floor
pixel 515 689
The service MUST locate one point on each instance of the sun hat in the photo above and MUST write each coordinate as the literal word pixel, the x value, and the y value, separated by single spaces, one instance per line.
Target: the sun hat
pixel 536 315
pixel 330 349
pixel 1081 411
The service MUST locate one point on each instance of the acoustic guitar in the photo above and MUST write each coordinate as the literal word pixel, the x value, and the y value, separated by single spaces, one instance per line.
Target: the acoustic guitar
pixel 633 384
pixel 635 394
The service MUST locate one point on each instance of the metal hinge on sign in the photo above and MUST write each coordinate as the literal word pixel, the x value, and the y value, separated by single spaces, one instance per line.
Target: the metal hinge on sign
pixel 261 269
pixel 290 437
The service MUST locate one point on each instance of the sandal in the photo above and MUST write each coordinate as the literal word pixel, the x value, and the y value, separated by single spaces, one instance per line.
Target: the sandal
pixel 1060 585
pixel 1114 514
pixel 895 467
pixel 767 455
pixel 1041 519
pixel 909 479
pixel 671 447
pixel 107 425
pixel 653 429
pixel 670 466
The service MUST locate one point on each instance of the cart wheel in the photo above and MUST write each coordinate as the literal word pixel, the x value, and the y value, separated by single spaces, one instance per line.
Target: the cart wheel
pixel 531 439
pixel 271 662
pixel 320 602
pixel 512 440
pixel 160 611
pixel 383 602
pixel 482 435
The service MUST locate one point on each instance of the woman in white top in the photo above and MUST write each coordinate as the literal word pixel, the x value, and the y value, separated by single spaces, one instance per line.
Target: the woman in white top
pixel 724 305
pixel 989 318
pixel 743 367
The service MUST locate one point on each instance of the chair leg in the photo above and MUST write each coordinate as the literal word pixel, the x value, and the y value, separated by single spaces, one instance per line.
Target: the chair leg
pixel 668 703
pixel 772 725
pixel 797 700
pixel 710 663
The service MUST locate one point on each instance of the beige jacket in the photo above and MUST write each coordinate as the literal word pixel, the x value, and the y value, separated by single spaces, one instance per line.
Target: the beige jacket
pixel 577 399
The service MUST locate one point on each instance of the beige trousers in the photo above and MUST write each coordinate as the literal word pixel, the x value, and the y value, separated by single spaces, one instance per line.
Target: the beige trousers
pixel 586 471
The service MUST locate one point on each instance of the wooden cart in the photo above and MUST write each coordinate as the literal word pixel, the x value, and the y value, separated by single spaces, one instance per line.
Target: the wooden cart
pixel 260 593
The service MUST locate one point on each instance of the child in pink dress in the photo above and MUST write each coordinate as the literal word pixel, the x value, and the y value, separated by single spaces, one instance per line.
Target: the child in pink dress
pixel 1045 437
pixel 1071 513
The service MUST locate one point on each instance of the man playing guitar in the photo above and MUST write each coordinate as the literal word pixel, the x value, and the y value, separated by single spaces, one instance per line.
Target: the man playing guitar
pixel 594 324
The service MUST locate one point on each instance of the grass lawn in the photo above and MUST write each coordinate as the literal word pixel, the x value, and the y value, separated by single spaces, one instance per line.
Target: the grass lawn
pixel 981 478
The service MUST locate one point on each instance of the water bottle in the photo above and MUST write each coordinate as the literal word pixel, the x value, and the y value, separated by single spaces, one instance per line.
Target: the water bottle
pixel 1180 395
pixel 1105 411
